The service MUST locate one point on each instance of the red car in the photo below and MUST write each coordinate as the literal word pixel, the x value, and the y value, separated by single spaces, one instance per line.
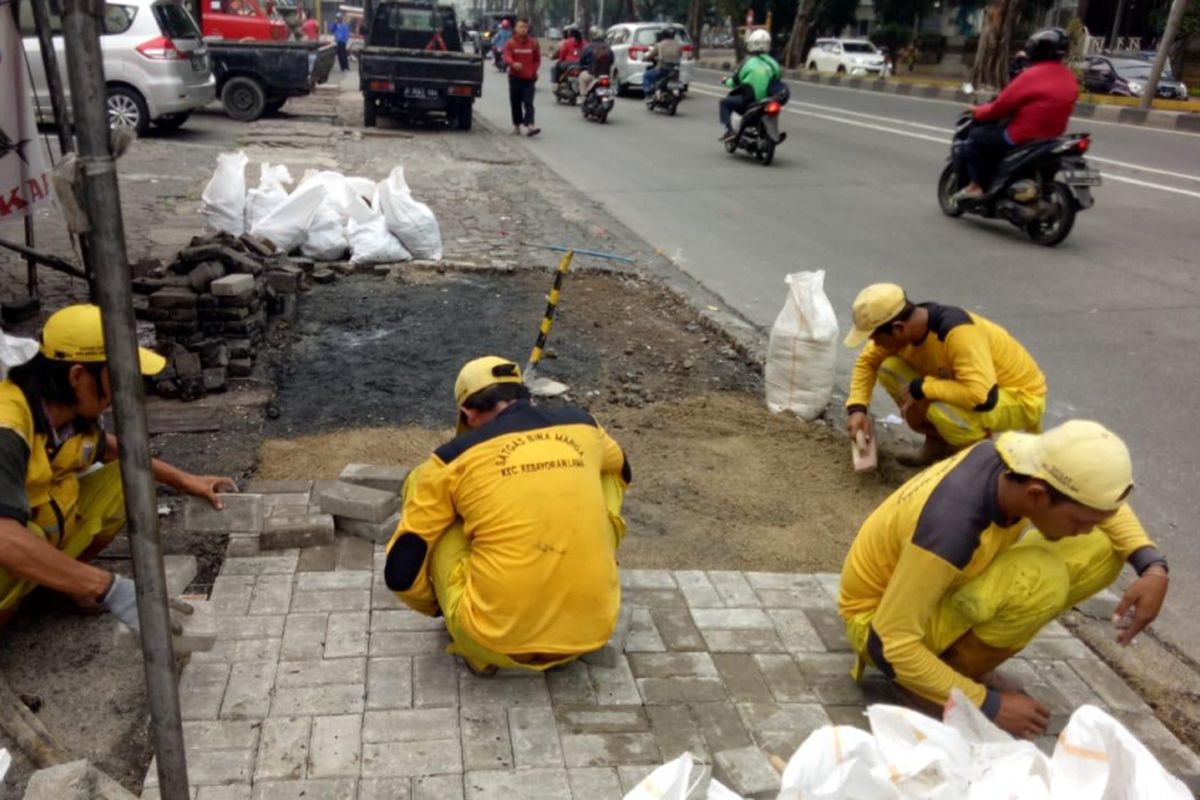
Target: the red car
pixel 239 20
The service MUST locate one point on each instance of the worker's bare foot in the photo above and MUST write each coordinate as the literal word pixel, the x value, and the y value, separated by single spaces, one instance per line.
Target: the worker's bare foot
pixel 933 450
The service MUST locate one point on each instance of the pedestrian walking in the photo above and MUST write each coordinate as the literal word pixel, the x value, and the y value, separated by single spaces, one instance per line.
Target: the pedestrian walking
pixel 341 37
pixel 523 56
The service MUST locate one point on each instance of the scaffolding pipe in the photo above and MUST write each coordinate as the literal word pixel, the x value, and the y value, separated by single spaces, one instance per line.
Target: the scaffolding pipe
pixel 110 272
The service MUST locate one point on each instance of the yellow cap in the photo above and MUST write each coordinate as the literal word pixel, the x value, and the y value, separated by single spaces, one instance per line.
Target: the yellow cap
pixel 75 334
pixel 875 305
pixel 479 374
pixel 1082 459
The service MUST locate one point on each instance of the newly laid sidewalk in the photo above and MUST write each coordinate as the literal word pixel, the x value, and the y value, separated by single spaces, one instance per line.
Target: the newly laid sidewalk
pixel 322 686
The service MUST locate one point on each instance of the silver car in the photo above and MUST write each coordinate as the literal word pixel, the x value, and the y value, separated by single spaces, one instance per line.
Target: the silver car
pixel 631 43
pixel 155 63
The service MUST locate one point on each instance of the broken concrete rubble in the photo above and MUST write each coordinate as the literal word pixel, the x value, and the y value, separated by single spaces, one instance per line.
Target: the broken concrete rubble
pixel 76 780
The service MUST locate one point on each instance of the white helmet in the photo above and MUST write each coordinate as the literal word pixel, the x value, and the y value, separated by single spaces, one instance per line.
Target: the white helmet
pixel 758 41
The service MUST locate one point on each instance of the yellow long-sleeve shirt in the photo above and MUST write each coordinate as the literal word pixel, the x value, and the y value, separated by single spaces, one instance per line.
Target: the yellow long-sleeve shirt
pixel 965 360
pixel 933 534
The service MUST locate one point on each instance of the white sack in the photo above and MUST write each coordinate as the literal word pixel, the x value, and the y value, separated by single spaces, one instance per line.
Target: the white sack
pixel 802 348
pixel 837 762
pixel 371 243
pixel 326 237
pixel 269 193
pixel 223 202
pixel 15 351
pixel 287 225
pixel 411 221
pixel 668 782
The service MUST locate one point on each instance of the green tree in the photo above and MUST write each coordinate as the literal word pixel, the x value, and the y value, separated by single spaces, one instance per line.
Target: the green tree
pixel 834 16
pixel 1189 31
pixel 995 43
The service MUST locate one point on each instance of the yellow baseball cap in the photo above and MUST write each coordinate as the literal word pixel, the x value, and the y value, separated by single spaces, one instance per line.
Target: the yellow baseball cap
pixel 76 334
pixel 875 305
pixel 479 374
pixel 1084 460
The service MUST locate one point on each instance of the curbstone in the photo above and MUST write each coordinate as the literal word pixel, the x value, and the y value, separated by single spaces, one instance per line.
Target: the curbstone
pixel 243 513
pixel 375 476
pixel 287 530
pixel 377 532
pixel 357 502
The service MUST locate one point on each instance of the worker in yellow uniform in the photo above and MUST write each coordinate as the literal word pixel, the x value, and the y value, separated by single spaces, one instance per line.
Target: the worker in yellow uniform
pixel 510 530
pixel 944 581
pixel 61 499
pixel 956 376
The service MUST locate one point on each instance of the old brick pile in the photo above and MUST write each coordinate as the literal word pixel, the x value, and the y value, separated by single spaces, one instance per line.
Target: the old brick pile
pixel 210 308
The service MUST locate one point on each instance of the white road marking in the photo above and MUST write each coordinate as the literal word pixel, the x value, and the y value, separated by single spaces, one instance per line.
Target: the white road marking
pixel 707 90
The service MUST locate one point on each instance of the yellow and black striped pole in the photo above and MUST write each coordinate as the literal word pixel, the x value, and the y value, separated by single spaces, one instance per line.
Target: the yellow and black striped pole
pixel 539 347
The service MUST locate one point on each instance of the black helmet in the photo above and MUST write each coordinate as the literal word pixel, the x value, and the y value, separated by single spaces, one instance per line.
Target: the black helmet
pixel 1048 44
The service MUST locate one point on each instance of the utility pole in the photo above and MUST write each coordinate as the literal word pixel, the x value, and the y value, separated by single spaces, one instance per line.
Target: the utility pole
pixel 110 271
pixel 1164 46
pixel 1116 28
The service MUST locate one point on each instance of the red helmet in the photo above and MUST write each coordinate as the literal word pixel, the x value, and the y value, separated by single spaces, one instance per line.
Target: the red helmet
pixel 505 23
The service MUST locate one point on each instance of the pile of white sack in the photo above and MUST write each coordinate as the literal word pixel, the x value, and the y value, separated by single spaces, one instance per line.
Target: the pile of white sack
pixel 909 756
pixel 325 215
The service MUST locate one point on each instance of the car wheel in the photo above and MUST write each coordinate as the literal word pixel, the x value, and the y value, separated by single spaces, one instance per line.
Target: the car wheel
pixel 172 122
pixel 368 110
pixel 243 98
pixel 812 66
pixel 622 90
pixel 463 117
pixel 127 109
pixel 841 69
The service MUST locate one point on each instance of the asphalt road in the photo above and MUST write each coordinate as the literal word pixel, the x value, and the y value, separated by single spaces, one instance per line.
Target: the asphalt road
pixel 1112 315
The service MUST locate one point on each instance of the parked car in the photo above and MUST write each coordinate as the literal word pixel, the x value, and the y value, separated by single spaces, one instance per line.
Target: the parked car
pixel 155 63
pixel 631 43
pixel 238 20
pixel 854 57
pixel 1128 76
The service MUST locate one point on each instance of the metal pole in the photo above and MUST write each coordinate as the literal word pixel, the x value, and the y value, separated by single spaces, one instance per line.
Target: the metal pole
pixel 1164 45
pixel 111 272
pixel 1116 28
pixel 31 280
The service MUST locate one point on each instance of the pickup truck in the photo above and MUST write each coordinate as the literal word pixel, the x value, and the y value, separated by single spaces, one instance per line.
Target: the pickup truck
pixel 413 64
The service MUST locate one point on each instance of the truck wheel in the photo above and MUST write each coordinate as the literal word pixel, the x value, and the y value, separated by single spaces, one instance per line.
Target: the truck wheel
pixel 368 111
pixel 126 108
pixel 463 117
pixel 243 99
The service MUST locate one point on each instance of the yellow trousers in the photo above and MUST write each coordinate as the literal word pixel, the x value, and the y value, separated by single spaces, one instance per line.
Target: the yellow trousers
pixel 450 563
pixel 98 516
pixel 1022 590
pixel 1014 410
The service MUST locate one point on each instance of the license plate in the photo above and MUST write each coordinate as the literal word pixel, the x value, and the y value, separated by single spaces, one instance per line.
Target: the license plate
pixel 419 93
pixel 675 86
pixel 1081 177
pixel 603 92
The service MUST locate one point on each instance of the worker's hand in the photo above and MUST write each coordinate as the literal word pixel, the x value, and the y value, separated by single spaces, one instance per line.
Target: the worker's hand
pixel 1021 715
pixel 121 600
pixel 208 486
pixel 1145 598
pixel 861 421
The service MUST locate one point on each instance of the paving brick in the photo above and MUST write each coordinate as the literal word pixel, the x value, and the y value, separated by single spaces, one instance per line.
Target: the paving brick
pixel 236 285
pixel 1108 685
pixel 377 532
pixel 1056 649
pixel 698 589
pixel 653 598
pixel 530 784
pixel 663 691
pixel 219 735
pixel 243 513
pixel 615 686
pixel 356 502
pixel 783 717
pixel 607 655
pixel 214 767
pixel 285 530
pixel 220 793
pixel 788 590
pixel 1100 605
pixel 336 747
pixel 672 665
pixel 534 734
pixel 326 789
pixel 797 632
pixel 855 716
pixel 231 594
pixel 676 732
pixel 375 476
pixel 283 752
pixel 277 505
pixel 409 725
pixel 609 749
pixel 201 688
pixel 731 619
pixel 744 683
pixel 318 559
pixel 258 486
pixel 601 719
pixel 749 640
pixel 327 672
pixel 409 643
pixel 355 554
pixel 784 678
pixel 198 630
pixel 75 780
pixel 646 579
pixel 1062 677
pixel 571 685
pixel 232 650
pixel 829 627
pixel 424 757
pixel 435 681
pixel 272 595
pixel 239 545
pixel 595 783
pixel 249 693
pixel 643 635
pixel 347 634
pixel 386 789
pixel 180 571
pixel 389 683
pixel 340 699
pixel 721 725
pixel 404 619
pixel 437 787
pixel 303 637
pixel 734 589
pixel 831 584
pixel 326 581
pixel 278 562
pixel 304 601
pixel 268 627
pixel 518 690
pixel 485 737
pixel 746 771
pixel 677 630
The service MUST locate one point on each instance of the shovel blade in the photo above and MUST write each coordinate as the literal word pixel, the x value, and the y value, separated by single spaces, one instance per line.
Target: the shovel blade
pixel 546 387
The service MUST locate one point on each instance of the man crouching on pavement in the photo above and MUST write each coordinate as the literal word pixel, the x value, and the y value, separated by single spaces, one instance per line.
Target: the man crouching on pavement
pixel 59 508
pixel 510 530
pixel 940 587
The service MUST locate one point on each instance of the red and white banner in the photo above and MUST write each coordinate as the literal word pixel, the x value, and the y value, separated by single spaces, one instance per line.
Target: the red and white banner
pixel 24 177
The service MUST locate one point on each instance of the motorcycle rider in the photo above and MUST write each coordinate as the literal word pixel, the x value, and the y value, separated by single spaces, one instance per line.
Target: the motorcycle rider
pixel 567 55
pixel 595 60
pixel 753 80
pixel 499 39
pixel 666 55
pixel 1037 104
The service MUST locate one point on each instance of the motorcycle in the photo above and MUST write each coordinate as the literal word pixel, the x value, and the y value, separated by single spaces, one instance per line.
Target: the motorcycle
pixel 758 131
pixel 567 89
pixel 498 59
pixel 599 100
pixel 1038 186
pixel 666 92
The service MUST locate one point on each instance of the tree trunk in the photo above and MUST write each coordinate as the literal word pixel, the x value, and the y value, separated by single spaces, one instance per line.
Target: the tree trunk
pixel 794 54
pixel 995 43
pixel 695 25
pixel 585 19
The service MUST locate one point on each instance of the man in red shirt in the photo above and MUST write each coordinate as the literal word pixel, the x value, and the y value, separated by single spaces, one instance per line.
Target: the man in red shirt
pixel 1037 104
pixel 523 55
pixel 568 54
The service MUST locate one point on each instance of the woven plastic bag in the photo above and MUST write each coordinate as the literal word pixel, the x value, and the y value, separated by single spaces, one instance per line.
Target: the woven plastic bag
pixel 671 781
pixel 372 243
pixel 287 225
pixel 412 222
pixel 270 192
pixel 802 348
pixel 223 202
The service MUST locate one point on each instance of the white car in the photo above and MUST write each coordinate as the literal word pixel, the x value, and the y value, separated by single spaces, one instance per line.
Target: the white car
pixel 155 63
pixel 631 43
pixel 855 57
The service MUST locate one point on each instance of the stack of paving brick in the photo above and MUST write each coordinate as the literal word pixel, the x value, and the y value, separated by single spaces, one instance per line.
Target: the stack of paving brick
pixel 210 307
pixel 365 502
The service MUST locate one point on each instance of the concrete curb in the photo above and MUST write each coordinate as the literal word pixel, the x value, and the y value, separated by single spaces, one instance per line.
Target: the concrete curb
pixel 1164 120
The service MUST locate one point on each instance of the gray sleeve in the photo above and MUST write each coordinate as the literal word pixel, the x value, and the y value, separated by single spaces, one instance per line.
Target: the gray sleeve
pixel 14 464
